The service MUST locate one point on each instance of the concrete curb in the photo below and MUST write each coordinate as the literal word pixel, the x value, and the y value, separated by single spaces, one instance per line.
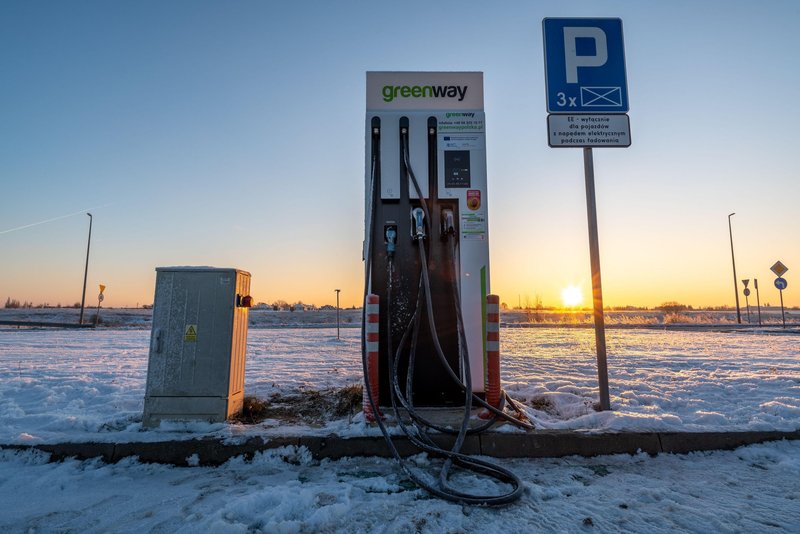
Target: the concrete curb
pixel 541 444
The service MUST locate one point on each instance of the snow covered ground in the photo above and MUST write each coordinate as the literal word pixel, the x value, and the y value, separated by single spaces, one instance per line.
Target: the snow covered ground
pixel 752 489
pixel 88 385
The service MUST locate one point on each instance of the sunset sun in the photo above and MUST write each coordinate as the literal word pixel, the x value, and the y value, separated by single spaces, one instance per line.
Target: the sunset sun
pixel 571 296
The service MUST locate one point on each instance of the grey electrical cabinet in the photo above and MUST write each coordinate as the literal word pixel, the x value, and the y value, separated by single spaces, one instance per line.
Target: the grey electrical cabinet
pixel 198 344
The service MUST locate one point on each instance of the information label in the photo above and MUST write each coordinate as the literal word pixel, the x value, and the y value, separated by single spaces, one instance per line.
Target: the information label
pixel 595 130
pixel 473 226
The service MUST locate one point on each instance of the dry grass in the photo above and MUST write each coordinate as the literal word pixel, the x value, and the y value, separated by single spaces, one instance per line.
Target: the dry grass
pixel 543 404
pixel 309 407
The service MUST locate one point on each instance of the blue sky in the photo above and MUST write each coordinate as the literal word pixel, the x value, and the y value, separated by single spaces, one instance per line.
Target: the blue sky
pixel 232 134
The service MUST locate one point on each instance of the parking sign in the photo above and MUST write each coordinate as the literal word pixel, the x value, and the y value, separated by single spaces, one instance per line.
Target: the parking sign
pixel 585 66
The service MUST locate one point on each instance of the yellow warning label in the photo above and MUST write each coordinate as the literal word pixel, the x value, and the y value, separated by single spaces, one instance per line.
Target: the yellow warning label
pixel 191 333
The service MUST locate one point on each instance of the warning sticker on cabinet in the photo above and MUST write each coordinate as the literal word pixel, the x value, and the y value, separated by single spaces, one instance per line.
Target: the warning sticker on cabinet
pixel 473 226
pixel 191 333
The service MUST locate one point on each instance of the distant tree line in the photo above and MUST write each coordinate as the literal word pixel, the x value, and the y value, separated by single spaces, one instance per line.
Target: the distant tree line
pixel 14 303
pixel 282 305
pixel 672 307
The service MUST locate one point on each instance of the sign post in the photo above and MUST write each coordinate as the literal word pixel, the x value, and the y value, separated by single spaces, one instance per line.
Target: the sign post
pixel 337 312
pixel 99 300
pixel 747 298
pixel 758 300
pixel 780 269
pixel 587 102
pixel 597 287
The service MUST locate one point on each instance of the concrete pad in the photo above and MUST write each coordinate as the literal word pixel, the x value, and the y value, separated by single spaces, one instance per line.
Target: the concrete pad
pixel 471 445
pixel 684 442
pixel 538 444
pixel 554 444
pixel 167 452
pixel 81 451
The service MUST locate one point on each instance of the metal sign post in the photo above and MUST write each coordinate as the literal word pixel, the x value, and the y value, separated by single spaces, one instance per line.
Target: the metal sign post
pixel 747 298
pixel 597 287
pixel 780 283
pixel 758 300
pixel 587 98
pixel 337 312
pixel 780 269
pixel 99 300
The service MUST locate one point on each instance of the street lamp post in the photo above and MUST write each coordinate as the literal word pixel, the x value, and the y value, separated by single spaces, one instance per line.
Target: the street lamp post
pixel 733 261
pixel 86 269
pixel 337 312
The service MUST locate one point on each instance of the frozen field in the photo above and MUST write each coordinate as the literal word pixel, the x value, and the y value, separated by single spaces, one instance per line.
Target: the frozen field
pixel 752 489
pixel 65 385
pixel 59 385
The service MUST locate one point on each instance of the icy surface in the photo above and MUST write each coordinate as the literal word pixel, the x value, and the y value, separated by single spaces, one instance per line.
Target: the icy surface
pixel 752 489
pixel 65 385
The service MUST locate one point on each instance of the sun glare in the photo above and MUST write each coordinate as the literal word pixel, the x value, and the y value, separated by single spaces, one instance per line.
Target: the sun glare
pixel 571 296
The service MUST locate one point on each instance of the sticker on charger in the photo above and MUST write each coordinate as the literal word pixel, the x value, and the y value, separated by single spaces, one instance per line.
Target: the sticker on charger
pixel 473 226
pixel 190 334
pixel 474 199
pixel 461 142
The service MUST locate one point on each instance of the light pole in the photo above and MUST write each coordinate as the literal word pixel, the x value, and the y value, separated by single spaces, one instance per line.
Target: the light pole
pixel 86 269
pixel 733 261
pixel 337 312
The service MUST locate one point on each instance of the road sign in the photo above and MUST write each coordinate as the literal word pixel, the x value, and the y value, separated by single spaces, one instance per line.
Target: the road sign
pixel 779 269
pixel 102 288
pixel 781 283
pixel 585 66
pixel 745 282
pixel 595 130
pixel 746 292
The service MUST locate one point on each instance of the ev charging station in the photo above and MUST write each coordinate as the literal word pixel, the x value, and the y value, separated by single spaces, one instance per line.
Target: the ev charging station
pixel 430 333
pixel 426 238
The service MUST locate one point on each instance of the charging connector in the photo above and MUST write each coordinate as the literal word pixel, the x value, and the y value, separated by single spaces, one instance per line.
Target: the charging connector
pixel 390 239
pixel 417 224
pixel 448 224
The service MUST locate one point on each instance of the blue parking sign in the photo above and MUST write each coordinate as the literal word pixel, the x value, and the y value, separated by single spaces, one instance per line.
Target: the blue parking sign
pixel 585 66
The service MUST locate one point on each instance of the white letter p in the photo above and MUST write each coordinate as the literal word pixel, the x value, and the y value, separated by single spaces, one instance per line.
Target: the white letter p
pixel 571 57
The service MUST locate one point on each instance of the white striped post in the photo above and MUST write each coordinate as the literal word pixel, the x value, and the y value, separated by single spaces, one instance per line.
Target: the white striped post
pixel 372 333
pixel 493 389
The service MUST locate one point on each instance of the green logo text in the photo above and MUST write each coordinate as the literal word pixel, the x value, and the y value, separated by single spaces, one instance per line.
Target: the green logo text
pixel 390 92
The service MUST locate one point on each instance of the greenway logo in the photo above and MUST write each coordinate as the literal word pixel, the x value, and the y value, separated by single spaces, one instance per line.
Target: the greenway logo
pixel 390 92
